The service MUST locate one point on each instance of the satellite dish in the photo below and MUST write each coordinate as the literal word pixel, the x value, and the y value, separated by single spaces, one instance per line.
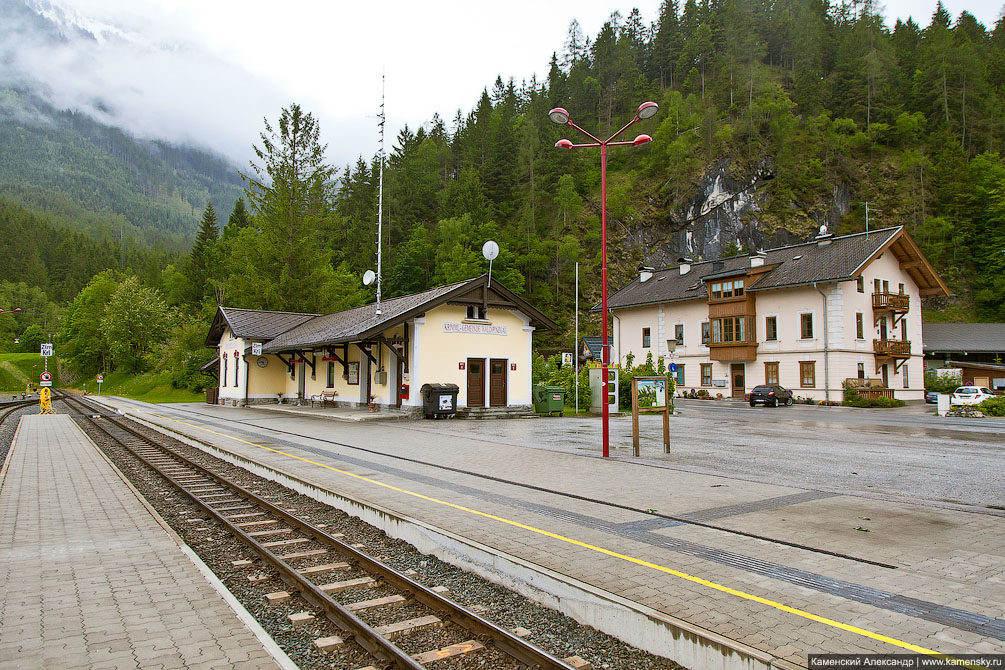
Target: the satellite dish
pixel 490 250
pixel 368 277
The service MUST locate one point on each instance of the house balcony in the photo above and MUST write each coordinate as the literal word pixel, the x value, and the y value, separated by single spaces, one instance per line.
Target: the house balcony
pixel 898 303
pixel 892 348
pixel 896 351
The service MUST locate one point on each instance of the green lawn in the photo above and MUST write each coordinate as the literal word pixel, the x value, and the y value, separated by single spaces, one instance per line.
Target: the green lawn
pixel 16 370
pixel 149 387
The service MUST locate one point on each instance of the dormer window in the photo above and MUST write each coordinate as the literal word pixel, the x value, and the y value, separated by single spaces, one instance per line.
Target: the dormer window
pixel 477 313
pixel 727 289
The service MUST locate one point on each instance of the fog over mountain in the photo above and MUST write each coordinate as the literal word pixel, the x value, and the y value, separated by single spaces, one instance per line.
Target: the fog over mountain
pixel 159 88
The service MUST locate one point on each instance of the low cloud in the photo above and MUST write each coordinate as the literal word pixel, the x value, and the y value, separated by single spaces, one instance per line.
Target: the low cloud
pixel 161 87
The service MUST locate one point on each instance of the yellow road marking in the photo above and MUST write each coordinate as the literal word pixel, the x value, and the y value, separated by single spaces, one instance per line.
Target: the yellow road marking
pixel 607 552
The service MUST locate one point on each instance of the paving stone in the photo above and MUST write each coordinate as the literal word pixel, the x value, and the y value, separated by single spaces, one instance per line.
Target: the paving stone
pixel 130 607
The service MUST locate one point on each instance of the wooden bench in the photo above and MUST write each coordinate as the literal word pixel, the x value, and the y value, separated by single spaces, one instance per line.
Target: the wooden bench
pixel 324 397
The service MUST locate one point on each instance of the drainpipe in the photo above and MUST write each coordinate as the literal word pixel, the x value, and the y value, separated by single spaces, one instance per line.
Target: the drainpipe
pixel 615 316
pixel 827 380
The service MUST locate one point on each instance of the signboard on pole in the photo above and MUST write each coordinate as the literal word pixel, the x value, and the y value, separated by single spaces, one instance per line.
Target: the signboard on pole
pixel 101 378
pixel 650 395
pixel 45 379
pixel 46 349
pixel 566 358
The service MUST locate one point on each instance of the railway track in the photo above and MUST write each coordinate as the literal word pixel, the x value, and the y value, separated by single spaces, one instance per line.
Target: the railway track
pixel 336 579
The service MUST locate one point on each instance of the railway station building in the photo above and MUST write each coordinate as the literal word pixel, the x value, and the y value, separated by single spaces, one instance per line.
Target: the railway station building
pixel 808 317
pixel 476 334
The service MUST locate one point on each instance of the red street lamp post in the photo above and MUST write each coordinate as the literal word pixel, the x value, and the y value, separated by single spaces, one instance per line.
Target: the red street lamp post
pixel 560 116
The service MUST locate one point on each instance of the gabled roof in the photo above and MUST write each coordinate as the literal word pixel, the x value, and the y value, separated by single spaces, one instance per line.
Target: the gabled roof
pixel 594 345
pixel 360 323
pixel 253 324
pixel 842 259
pixel 969 337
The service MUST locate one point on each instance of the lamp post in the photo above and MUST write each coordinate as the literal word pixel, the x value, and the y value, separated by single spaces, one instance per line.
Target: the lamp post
pixel 560 116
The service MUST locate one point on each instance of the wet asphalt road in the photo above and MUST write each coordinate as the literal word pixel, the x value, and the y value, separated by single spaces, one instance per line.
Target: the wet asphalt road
pixel 903 454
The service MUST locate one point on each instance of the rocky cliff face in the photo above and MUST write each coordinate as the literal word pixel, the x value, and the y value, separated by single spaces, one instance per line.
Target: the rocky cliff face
pixel 726 208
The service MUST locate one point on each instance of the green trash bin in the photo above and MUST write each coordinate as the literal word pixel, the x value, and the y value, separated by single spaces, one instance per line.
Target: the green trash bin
pixel 549 399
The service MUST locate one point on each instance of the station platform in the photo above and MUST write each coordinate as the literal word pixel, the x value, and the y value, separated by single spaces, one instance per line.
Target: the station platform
pixel 91 578
pixel 711 571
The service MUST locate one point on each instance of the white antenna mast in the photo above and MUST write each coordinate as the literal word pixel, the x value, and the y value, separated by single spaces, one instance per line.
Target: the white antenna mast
pixel 380 196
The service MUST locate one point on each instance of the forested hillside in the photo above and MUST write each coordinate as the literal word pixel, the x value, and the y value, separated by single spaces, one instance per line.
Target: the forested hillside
pixel 103 180
pixel 774 118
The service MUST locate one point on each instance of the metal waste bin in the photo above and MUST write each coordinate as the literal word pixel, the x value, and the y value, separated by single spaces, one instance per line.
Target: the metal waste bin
pixel 549 399
pixel 439 400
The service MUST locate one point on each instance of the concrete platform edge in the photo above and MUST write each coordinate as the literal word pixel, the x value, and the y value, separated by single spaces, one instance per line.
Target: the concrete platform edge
pixel 638 625
pixel 243 614
pixel 6 463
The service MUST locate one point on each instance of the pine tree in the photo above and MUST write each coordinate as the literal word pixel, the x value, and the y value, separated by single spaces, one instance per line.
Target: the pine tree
pixel 239 218
pixel 201 261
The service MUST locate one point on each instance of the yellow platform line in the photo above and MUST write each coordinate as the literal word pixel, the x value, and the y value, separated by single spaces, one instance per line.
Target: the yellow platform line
pixel 607 552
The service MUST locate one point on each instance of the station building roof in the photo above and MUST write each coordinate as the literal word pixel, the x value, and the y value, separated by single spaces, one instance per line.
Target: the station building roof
pixel 296 331
pixel 253 324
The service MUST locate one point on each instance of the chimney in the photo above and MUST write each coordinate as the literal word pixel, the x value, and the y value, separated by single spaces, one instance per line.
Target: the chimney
pixel 685 265
pixel 757 260
pixel 645 273
pixel 823 238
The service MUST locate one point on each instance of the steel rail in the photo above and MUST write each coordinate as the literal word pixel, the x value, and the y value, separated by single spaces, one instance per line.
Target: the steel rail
pixel 505 641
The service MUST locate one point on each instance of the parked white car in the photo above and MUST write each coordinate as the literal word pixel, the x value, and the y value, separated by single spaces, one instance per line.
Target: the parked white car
pixel 970 395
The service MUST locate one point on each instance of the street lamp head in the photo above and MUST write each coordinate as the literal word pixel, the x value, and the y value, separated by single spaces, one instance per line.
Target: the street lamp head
pixel 641 139
pixel 563 144
pixel 646 110
pixel 559 116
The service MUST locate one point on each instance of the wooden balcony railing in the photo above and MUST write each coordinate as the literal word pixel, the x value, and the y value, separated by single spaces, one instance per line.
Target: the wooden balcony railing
pixel 895 302
pixel 892 348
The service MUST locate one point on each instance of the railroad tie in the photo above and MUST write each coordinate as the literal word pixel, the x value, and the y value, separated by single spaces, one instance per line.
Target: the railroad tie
pixel 246 515
pixel 277 531
pixel 301 619
pixel 285 543
pixel 304 554
pixel 392 630
pixel 578 663
pixel 255 523
pixel 336 587
pixel 328 643
pixel 389 601
pixel 448 652
pixel 328 567
pixel 277 597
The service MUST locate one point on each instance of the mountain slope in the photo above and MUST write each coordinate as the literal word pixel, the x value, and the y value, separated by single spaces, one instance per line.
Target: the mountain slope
pixel 74 168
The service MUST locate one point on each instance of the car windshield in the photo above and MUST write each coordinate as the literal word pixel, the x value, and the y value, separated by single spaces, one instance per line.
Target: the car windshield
pixel 966 390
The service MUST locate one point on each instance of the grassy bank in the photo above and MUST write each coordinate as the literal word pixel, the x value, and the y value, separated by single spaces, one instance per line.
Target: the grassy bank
pixel 16 370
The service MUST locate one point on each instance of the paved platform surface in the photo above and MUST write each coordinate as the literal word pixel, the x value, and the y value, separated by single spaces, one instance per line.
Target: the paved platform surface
pixel 809 583
pixel 90 579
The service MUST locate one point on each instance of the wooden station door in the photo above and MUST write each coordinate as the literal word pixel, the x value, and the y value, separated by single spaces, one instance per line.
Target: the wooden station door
pixel 739 381
pixel 476 382
pixel 497 382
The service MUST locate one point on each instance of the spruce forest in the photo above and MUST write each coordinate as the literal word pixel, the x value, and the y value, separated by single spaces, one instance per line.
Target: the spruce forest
pixel 810 108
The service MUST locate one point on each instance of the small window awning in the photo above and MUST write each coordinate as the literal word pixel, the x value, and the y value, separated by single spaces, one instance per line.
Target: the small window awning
pixel 211 365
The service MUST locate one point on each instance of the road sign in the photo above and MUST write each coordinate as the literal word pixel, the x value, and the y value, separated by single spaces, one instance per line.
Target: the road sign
pixel 101 378
pixel 673 367
pixel 46 349
pixel 45 379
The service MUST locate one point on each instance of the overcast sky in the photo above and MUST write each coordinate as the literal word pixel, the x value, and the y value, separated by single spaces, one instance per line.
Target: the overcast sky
pixel 208 71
